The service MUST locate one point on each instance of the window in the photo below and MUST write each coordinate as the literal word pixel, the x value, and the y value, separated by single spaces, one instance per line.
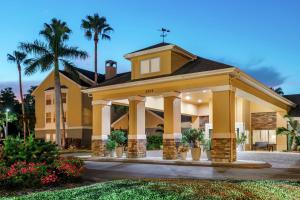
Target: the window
pixel 48 99
pixel 64 97
pixel 264 136
pixel 150 66
pixel 48 117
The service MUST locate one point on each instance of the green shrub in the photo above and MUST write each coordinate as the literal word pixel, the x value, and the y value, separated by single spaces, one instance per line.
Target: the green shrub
pixel 119 137
pixel 193 137
pixel 15 150
pixel 154 142
pixel 110 145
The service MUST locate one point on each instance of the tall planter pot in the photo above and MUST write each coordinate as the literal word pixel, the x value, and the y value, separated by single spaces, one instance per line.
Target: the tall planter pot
pixel 183 155
pixel 119 152
pixel 196 153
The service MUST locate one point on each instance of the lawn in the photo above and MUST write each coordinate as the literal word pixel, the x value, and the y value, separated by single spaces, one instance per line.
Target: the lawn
pixel 175 189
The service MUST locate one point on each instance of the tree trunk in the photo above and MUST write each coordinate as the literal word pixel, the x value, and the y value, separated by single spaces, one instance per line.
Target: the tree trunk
pixel 63 136
pixel 294 144
pixel 22 102
pixel 57 103
pixel 95 58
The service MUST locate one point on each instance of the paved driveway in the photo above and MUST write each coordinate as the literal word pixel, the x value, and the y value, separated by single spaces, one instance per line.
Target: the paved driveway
pixel 103 171
pixel 276 159
pixel 286 166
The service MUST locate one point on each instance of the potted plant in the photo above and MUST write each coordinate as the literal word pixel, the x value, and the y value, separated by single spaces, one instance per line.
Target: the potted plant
pixel 110 146
pixel 207 148
pixel 119 137
pixel 183 149
pixel 194 137
pixel 240 141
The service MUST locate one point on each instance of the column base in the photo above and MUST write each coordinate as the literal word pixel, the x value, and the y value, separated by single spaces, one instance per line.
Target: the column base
pixel 136 148
pixel 223 150
pixel 99 148
pixel 169 149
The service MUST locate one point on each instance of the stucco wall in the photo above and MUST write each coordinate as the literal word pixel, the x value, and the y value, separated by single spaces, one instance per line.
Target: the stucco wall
pixel 74 101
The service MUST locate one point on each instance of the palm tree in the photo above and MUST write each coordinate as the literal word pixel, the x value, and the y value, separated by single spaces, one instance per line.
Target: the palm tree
pixel 18 58
pixel 292 131
pixel 279 91
pixel 96 26
pixel 49 55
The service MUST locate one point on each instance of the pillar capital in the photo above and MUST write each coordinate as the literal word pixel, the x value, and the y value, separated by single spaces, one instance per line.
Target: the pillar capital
pixel 101 102
pixel 136 98
pixel 172 94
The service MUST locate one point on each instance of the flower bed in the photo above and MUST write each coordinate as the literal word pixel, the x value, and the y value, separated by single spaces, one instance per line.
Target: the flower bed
pixel 29 174
pixel 35 163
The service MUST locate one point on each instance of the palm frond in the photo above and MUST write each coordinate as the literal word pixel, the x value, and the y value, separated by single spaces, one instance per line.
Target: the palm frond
pixel 70 68
pixel 43 64
pixel 72 52
pixel 282 131
pixel 16 57
pixel 88 34
pixel 37 47
pixel 11 58
pixel 33 66
pixel 105 37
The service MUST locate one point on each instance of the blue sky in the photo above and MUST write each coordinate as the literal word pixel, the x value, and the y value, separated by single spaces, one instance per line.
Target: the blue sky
pixel 261 37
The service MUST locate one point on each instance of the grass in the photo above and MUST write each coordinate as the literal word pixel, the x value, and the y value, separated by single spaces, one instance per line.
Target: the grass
pixel 175 190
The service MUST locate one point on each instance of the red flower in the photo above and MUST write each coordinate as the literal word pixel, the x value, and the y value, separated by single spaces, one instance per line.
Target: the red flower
pixel 50 179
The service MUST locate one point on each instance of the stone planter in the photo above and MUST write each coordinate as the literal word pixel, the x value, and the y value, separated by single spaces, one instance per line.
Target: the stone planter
pixel 208 154
pixel 119 152
pixel 183 155
pixel 196 153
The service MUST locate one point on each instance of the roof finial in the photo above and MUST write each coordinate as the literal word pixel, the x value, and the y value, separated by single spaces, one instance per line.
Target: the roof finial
pixel 164 33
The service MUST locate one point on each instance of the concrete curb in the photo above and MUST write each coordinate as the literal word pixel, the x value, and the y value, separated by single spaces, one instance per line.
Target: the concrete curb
pixel 204 163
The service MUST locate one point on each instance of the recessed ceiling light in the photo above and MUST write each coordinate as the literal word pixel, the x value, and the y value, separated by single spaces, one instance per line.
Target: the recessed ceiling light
pixel 199 101
pixel 188 97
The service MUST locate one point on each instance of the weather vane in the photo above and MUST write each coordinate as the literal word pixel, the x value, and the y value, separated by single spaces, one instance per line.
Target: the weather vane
pixel 164 33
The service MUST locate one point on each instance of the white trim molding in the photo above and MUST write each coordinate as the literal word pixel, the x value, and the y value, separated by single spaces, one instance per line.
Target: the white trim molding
pixel 137 137
pixel 172 94
pixel 159 49
pixel 172 136
pixel 136 98
pixel 99 137
pixel 260 86
pixel 161 80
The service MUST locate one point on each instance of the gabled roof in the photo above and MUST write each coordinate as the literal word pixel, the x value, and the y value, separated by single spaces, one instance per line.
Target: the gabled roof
pixel 294 112
pixel 82 82
pixel 194 66
pixel 152 47
pixel 90 74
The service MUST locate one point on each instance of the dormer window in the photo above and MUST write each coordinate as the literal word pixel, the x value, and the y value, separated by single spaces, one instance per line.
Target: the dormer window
pixel 150 65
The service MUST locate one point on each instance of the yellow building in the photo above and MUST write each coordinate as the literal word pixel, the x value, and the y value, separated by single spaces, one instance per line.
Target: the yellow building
pixel 170 79
pixel 220 98
pixel 77 107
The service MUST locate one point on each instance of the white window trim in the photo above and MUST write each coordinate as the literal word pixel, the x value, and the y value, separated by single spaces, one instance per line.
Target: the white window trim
pixel 150 67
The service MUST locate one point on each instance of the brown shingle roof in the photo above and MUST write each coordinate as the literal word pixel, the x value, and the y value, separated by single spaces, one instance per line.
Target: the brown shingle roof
pixel 152 47
pixel 194 66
